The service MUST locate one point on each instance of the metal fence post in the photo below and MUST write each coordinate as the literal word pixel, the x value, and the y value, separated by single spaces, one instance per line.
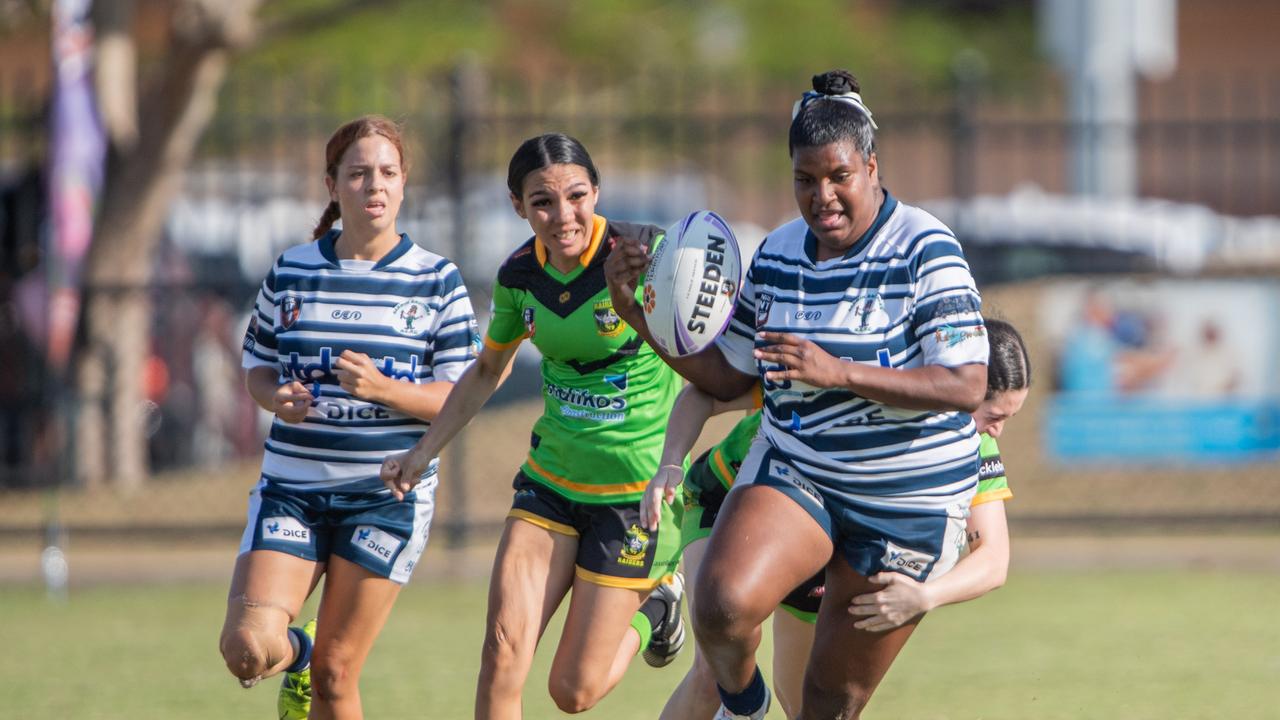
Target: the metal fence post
pixel 464 92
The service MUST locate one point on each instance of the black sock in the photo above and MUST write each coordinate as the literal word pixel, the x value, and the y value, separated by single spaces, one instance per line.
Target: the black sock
pixel 749 700
pixel 655 608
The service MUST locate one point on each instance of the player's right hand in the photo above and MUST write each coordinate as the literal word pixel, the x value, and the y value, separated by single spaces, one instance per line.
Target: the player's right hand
pixel 401 472
pixel 661 488
pixel 622 271
pixel 291 402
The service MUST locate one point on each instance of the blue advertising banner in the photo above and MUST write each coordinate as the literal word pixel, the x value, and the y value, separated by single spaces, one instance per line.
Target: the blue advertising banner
pixel 1164 372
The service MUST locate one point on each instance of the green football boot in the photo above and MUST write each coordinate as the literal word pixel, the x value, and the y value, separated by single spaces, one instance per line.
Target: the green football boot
pixel 294 701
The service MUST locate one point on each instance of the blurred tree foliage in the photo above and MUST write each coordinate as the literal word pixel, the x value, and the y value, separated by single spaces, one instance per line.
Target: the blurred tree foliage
pixel 764 43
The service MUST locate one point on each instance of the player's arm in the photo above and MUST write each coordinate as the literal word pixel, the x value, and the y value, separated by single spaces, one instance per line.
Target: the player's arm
pixel 931 387
pixel 288 401
pixel 401 472
pixel 691 410
pixel 984 569
pixel 708 369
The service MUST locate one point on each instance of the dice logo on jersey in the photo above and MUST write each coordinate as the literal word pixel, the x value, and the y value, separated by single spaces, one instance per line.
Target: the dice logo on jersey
pixel 375 542
pixel 410 317
pixel 634 547
pixel 608 323
pixel 285 529
pixel 290 311
pixel 900 559
pixel 763 305
pixel 529 325
pixel 868 313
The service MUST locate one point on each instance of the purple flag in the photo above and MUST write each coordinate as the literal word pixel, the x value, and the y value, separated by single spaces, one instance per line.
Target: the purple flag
pixel 50 297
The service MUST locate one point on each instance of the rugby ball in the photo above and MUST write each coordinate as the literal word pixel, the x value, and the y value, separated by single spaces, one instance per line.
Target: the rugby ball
pixel 692 283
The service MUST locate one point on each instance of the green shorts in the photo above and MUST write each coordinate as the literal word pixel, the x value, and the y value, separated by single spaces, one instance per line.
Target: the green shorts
pixel 614 548
pixel 704 494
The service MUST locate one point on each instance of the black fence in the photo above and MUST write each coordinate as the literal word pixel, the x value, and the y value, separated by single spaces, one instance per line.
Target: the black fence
pixel 663 146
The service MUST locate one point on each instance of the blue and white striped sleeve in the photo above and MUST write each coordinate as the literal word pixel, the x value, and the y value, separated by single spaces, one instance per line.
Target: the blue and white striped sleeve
pixel 259 348
pixel 738 341
pixel 946 317
pixel 455 335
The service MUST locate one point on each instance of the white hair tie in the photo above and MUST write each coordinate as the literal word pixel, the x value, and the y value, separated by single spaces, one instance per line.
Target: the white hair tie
pixel 852 98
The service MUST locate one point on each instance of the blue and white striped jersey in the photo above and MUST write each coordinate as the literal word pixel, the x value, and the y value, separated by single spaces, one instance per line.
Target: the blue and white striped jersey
pixel 409 312
pixel 901 297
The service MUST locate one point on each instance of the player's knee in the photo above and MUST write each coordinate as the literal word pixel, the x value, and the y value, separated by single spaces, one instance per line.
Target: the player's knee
pixel 722 616
pixel 500 653
pixel 822 701
pixel 332 678
pixel 245 651
pixel 573 695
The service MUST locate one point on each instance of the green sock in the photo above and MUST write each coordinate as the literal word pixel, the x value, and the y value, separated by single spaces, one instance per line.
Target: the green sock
pixel 641 623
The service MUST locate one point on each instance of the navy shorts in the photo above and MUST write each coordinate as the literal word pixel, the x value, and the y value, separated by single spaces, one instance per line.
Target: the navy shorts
pixel 891 534
pixel 371 529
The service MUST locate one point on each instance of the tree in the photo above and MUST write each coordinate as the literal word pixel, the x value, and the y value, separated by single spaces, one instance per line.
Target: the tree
pixel 153 135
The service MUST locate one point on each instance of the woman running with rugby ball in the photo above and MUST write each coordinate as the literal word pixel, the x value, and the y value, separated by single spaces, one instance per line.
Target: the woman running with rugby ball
pixel 861 321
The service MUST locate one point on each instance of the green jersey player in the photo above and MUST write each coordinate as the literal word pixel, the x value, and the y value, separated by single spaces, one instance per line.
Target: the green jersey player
pixel 574 521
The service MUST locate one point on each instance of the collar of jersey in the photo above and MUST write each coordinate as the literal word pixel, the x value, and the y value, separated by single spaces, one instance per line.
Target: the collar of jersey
pixel 886 209
pixel 329 241
pixel 598 225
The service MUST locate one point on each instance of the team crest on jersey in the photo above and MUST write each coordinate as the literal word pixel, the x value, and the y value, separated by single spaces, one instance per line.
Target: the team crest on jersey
pixel 763 305
pixel 634 547
pixel 868 313
pixel 564 297
pixel 290 311
pixel 410 317
pixel 608 323
pixel 529 325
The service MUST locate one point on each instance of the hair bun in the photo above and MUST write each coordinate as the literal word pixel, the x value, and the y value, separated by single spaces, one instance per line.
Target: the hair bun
pixel 836 82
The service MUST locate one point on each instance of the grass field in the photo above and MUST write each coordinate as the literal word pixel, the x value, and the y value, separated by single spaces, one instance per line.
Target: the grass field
pixel 1070 645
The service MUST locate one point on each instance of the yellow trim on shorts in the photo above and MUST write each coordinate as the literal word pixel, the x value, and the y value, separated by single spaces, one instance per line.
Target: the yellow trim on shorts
pixel 542 522
pixel 725 470
pixel 1003 493
pixel 619 582
pixel 612 489
pixel 495 345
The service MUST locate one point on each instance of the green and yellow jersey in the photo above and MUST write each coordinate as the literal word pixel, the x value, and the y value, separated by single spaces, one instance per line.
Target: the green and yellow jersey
pixel 992 484
pixel 607 395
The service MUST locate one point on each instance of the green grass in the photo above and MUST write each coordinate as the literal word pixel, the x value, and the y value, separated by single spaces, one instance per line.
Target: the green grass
pixel 1130 645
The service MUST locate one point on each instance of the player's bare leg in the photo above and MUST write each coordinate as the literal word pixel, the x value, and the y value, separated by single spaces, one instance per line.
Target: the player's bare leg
pixel 532 571
pixel 695 696
pixel 353 608
pixel 596 646
pixel 792 645
pixel 847 664
pixel 749 568
pixel 267 592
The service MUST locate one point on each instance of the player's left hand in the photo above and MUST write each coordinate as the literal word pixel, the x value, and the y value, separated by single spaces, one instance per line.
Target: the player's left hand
pixel 801 360
pixel 358 375
pixel 661 488
pixel 901 599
